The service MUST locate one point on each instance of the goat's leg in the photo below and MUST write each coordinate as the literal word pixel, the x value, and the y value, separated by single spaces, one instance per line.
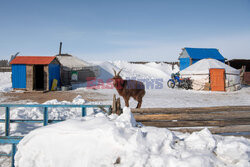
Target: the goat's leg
pixel 126 102
pixel 139 104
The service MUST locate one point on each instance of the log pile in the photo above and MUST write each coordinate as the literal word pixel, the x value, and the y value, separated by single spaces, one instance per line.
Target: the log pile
pixel 225 120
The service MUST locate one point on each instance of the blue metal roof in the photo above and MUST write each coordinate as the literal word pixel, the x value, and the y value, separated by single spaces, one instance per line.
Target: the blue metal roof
pixel 204 53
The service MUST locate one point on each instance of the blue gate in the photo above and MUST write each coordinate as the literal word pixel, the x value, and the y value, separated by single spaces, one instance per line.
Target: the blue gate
pixel 19 76
pixel 14 140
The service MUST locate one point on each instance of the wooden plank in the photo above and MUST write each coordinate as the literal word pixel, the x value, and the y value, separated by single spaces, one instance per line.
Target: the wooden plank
pixel 118 105
pixel 238 135
pixel 114 107
pixel 196 117
pixel 191 109
pixel 29 77
pixel 46 77
pixel 196 123
pixel 216 130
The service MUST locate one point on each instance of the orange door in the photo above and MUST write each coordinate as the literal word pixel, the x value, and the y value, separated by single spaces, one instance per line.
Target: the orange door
pixel 217 79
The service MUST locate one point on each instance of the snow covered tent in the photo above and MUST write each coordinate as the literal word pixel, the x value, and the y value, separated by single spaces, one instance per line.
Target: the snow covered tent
pixel 75 70
pixel 189 56
pixel 201 75
pixel 35 72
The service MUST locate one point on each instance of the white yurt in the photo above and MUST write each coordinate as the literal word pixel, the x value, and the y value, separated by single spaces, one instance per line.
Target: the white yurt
pixel 75 70
pixel 199 73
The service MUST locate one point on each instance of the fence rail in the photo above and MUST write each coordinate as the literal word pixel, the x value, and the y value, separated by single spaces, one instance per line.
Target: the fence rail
pixel 14 140
pixel 5 69
pixel 225 120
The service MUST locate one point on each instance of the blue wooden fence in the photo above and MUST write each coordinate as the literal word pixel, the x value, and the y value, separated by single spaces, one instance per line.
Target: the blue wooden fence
pixel 14 140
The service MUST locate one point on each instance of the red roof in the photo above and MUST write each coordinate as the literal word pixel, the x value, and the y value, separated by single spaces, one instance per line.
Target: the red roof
pixel 33 60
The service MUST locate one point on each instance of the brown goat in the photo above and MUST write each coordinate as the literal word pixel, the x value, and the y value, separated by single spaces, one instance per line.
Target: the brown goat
pixel 129 88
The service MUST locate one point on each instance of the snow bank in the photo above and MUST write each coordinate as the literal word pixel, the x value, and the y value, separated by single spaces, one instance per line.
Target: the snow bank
pixel 146 71
pixel 5 82
pixel 143 72
pixel 101 140
pixel 150 70
pixel 60 113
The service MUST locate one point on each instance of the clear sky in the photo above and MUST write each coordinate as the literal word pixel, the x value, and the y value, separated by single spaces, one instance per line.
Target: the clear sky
pixel 134 30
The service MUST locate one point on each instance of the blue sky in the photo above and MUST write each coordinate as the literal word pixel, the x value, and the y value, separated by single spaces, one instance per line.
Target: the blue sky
pixel 134 30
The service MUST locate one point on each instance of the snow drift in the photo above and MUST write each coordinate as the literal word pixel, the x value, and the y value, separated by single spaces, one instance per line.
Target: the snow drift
pixel 5 82
pixel 101 140
pixel 146 71
pixel 150 70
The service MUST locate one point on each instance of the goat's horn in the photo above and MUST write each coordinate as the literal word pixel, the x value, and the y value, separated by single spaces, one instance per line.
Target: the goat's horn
pixel 114 72
pixel 119 72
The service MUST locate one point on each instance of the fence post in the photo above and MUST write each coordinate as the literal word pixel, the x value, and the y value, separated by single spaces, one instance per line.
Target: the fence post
pixel 13 152
pixel 7 121
pixel 114 107
pixel 45 116
pixel 118 106
pixel 83 111
pixel 110 110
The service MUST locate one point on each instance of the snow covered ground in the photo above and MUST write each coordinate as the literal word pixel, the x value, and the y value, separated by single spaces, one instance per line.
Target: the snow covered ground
pixel 23 129
pixel 100 140
pixel 153 75
pixel 5 81
pixel 183 98
pixel 164 97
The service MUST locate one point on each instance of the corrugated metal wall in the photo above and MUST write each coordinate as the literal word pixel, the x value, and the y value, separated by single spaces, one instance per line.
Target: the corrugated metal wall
pixel 184 63
pixel 54 73
pixel 19 76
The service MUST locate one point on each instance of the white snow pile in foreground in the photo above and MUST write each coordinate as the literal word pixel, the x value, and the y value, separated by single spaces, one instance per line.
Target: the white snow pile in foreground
pixel 5 82
pixel 100 140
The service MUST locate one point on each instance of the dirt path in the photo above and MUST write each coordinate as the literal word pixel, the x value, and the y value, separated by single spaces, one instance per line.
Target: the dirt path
pixel 41 97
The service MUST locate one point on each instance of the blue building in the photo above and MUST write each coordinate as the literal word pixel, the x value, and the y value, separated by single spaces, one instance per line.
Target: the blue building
pixel 189 56
pixel 35 72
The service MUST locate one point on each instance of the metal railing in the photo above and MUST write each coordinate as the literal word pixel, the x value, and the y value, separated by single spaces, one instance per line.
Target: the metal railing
pixel 14 140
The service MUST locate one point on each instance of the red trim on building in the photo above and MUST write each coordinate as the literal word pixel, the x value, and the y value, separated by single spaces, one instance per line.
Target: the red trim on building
pixel 43 60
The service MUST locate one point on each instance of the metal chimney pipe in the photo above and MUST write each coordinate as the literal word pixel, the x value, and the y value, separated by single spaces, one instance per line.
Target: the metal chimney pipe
pixel 60 49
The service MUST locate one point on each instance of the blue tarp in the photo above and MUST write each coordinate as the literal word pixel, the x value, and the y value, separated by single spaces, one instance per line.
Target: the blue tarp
pixel 204 53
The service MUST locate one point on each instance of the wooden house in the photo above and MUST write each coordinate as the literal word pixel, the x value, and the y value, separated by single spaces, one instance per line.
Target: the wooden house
pixel 35 72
